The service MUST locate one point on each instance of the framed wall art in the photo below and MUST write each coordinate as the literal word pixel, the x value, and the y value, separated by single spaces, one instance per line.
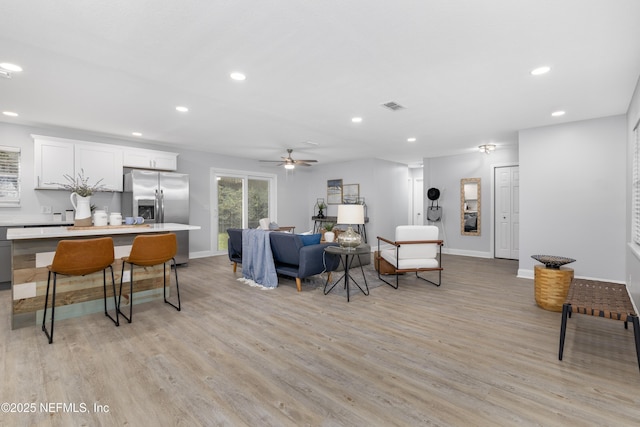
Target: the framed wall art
pixel 350 194
pixel 334 191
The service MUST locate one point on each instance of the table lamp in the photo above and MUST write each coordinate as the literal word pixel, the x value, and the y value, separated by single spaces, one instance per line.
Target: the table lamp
pixel 350 215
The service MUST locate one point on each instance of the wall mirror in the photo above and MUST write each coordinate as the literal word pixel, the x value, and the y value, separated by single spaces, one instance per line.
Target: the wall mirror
pixel 470 206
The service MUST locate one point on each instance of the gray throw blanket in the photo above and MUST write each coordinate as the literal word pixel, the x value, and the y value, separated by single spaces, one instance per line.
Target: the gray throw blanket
pixel 258 268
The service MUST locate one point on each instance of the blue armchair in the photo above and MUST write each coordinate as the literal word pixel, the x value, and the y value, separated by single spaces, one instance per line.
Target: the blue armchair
pixel 294 259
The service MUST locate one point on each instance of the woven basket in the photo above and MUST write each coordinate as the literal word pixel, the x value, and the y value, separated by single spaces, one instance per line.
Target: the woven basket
pixel 551 286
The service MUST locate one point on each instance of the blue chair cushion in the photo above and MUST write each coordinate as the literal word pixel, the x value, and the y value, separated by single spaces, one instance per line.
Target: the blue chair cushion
pixel 310 239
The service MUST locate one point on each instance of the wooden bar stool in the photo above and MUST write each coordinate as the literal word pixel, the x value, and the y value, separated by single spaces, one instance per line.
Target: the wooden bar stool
pixel 148 251
pixel 79 258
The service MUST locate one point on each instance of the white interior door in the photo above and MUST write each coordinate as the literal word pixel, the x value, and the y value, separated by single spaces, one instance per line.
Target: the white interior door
pixel 507 212
pixel 418 202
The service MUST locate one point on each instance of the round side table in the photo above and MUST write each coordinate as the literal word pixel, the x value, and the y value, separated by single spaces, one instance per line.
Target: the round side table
pixel 551 286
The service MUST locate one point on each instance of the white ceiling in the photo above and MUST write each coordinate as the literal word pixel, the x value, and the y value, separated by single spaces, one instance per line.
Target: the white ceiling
pixel 461 69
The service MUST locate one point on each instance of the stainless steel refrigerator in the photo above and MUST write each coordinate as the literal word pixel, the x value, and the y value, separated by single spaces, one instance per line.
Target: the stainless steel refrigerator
pixel 159 197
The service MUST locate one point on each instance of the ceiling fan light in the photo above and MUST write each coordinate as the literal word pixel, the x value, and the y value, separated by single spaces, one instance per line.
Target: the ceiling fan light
pixel 289 166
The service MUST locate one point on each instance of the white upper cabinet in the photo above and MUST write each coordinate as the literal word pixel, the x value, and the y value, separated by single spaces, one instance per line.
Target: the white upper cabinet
pixel 56 157
pixel 53 159
pixel 150 159
pixel 100 161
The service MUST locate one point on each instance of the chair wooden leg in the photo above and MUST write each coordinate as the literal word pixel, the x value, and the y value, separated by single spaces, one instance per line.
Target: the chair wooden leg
pixel 299 284
pixel 235 266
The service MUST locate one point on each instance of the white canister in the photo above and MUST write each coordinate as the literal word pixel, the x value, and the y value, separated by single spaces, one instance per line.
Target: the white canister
pixel 115 218
pixel 100 218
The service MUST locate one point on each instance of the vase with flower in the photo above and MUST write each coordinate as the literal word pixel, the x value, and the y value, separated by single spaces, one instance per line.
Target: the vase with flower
pixel 81 192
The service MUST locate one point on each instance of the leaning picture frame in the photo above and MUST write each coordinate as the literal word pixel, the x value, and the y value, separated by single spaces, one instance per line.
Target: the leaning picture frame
pixel 350 194
pixel 334 191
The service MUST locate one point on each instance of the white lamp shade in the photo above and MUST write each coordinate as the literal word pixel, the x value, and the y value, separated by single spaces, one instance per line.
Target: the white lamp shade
pixel 350 214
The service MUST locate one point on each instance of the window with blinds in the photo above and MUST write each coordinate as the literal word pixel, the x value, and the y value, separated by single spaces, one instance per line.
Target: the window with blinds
pixel 636 184
pixel 9 176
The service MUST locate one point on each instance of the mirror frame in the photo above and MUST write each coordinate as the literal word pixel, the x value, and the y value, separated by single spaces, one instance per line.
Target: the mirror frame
pixel 464 181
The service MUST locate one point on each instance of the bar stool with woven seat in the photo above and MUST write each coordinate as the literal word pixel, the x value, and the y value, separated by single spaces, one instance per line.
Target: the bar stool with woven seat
pixel 147 251
pixel 79 258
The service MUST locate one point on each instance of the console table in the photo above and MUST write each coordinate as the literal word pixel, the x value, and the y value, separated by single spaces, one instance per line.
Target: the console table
pixel 361 229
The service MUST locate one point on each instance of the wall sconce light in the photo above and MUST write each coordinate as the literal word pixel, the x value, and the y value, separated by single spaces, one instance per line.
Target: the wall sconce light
pixel 487 148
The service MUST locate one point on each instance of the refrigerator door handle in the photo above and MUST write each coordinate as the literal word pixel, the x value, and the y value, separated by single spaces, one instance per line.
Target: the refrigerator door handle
pixel 162 206
pixel 157 207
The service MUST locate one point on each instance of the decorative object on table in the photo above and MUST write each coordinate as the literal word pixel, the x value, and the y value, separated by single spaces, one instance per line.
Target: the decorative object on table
pixel 551 283
pixel 100 218
pixel 334 191
pixel 552 261
pixel 350 194
pixel 319 208
pixel 115 218
pixel 82 190
pixel 350 215
pixel 361 202
pixel 329 235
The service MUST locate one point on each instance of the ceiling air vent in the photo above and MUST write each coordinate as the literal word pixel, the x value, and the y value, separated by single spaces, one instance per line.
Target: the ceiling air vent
pixel 393 106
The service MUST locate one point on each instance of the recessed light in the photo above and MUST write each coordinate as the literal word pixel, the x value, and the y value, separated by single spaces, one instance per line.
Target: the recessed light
pixel 356 119
pixel 11 67
pixel 540 70
pixel 136 134
pixel 238 76
pixel 411 140
pixel 182 109
pixel 10 113
pixel 558 113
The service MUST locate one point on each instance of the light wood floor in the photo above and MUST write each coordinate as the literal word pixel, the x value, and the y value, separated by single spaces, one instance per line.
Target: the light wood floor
pixel 476 351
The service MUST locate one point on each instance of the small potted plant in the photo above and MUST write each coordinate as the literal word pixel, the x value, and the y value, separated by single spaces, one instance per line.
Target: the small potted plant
pixel 329 235
pixel 81 191
pixel 321 208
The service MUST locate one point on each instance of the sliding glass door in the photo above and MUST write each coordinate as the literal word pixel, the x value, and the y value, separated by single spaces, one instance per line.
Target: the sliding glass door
pixel 241 200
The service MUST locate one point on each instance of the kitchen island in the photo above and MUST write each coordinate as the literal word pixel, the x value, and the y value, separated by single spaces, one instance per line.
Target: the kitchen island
pixel 32 250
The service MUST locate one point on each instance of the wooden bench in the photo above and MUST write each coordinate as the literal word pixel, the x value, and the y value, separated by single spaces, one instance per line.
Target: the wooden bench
pixel 601 299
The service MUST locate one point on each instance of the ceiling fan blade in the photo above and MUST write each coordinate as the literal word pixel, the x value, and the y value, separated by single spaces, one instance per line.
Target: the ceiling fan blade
pixel 271 161
pixel 307 161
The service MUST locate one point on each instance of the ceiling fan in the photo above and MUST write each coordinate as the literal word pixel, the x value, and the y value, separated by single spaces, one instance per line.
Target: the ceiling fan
pixel 289 162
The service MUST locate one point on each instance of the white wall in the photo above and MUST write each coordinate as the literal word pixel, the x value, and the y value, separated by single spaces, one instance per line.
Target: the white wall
pixel 632 251
pixel 445 173
pixel 572 192
pixel 383 184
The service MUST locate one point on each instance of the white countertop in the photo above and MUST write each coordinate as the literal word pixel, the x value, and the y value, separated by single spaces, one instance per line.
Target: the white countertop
pixel 44 220
pixel 64 231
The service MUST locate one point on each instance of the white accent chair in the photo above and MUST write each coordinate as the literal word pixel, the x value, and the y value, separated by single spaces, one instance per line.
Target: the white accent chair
pixel 416 248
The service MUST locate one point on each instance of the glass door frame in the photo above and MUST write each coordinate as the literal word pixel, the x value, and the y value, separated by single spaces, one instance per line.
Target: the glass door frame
pixel 272 179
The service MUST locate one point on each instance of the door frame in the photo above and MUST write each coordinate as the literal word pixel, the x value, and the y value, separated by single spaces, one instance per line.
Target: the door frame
pixel 493 167
pixel 213 198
